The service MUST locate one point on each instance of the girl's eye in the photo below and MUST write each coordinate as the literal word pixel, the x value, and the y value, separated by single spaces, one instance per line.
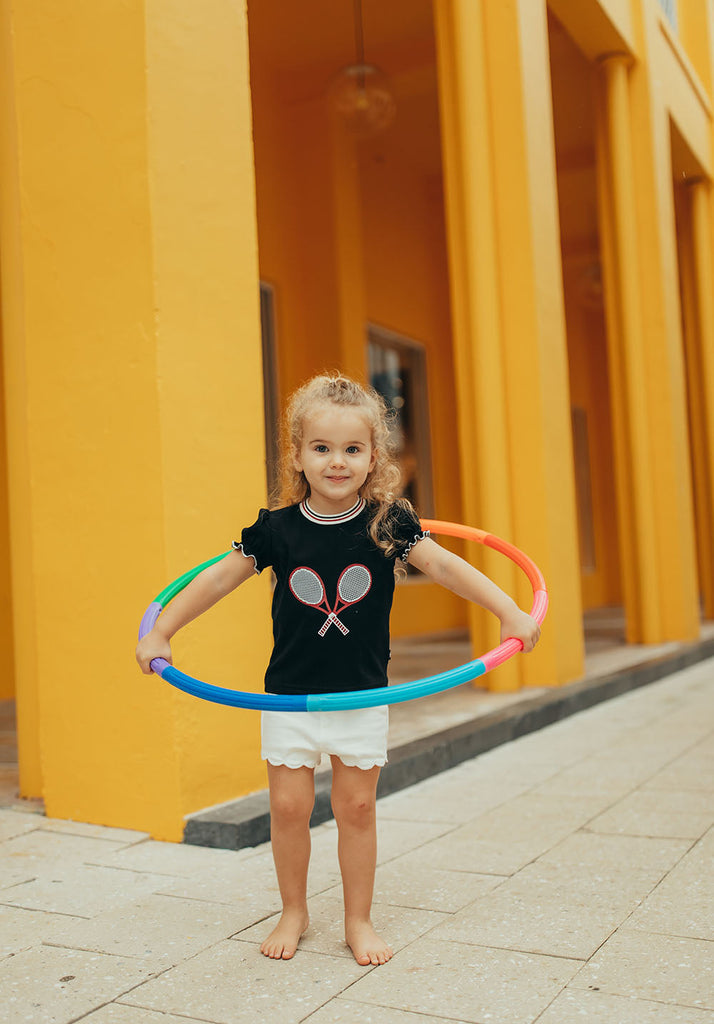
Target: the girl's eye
pixel 320 448
pixel 353 450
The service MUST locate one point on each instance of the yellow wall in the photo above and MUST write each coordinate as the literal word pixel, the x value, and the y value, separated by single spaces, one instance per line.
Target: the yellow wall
pixel 7 661
pixel 131 336
pixel 133 380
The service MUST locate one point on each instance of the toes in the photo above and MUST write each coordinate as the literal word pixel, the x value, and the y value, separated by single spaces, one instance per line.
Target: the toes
pixel 274 952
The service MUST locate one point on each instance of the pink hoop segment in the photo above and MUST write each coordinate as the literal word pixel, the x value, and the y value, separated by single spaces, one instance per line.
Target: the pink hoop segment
pixel 494 658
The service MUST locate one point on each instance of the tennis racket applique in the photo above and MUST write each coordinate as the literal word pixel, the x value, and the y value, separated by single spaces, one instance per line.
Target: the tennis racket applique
pixel 354 584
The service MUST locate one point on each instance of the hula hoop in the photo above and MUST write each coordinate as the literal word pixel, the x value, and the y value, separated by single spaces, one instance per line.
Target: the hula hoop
pixel 354 698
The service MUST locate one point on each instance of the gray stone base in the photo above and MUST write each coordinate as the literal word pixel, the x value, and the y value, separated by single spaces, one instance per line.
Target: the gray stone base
pixel 246 822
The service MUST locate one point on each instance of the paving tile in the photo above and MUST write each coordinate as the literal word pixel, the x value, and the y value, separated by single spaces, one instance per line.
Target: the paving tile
pixel 466 983
pixel 397 925
pixel 694 771
pixel 252 882
pixel 168 858
pixel 233 983
pixel 37 848
pixel 117 1013
pixel 682 902
pixel 540 918
pixel 409 882
pixel 500 766
pixel 394 838
pixel 618 855
pixel 15 874
pixel 635 882
pixel 674 912
pixel 662 968
pixel 600 1008
pixel 346 1011
pixel 502 841
pixel 570 740
pixel 596 776
pixel 23 929
pixel 60 985
pixel 82 890
pixel 649 812
pixel 16 823
pixel 124 836
pixel 160 929
pixel 442 799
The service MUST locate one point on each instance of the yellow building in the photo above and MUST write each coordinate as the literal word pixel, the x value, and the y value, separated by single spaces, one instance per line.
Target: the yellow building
pixel 202 205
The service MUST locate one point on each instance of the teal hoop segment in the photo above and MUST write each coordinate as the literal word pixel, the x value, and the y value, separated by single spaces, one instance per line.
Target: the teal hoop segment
pixel 354 698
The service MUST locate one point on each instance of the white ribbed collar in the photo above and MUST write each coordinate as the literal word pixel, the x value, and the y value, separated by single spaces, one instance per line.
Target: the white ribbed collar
pixel 332 520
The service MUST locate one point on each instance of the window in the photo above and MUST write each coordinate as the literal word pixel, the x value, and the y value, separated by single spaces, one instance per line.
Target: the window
pixel 397 370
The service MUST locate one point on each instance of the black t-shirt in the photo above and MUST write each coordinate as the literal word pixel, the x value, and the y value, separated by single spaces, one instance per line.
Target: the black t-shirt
pixel 333 595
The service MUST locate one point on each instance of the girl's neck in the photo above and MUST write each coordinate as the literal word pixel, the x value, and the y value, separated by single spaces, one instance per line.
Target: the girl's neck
pixel 317 509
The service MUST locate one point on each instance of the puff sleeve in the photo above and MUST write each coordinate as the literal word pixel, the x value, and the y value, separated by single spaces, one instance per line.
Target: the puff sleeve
pixel 256 541
pixel 405 528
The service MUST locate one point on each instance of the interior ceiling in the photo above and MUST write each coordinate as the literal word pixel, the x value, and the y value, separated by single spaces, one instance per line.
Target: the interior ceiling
pixel 573 122
pixel 295 37
pixel 572 103
pixel 302 45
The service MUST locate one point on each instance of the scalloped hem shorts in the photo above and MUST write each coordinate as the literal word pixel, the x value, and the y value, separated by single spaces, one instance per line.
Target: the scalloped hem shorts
pixel 298 739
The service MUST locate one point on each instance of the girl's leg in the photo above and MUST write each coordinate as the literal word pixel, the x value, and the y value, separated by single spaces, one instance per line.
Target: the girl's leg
pixel 354 806
pixel 292 795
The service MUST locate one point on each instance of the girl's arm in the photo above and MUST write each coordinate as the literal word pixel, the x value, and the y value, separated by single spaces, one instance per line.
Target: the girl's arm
pixel 202 592
pixel 455 574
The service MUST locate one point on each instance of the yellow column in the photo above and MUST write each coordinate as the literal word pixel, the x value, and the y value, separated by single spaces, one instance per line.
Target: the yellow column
pixel 468 173
pixel 628 365
pixel 701 384
pixel 133 383
pixel 507 308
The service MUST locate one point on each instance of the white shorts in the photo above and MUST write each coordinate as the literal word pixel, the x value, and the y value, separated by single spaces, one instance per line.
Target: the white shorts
pixel 298 739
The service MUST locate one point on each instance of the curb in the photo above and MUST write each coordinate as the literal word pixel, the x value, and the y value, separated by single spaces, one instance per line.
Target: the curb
pixel 246 822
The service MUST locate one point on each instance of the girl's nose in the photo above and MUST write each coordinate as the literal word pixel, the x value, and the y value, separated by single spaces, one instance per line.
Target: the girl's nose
pixel 337 459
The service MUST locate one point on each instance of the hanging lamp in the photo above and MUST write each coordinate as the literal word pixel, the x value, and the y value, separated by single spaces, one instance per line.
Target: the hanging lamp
pixel 361 94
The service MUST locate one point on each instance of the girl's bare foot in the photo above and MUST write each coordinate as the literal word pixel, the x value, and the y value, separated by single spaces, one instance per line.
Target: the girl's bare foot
pixel 367 947
pixel 283 940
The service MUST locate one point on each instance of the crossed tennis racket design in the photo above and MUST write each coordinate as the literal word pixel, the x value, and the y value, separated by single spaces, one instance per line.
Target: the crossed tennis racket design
pixel 354 584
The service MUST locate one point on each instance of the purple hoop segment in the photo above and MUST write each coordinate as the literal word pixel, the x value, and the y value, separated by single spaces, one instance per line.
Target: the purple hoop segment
pixel 355 698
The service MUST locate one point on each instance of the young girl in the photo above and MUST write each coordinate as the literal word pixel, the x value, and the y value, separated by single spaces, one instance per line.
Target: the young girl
pixel 338 512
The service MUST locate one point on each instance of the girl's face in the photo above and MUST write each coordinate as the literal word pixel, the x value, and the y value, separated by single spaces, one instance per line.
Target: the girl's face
pixel 336 456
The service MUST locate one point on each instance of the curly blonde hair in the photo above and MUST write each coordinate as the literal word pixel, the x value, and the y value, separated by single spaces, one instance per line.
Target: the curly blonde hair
pixel 382 488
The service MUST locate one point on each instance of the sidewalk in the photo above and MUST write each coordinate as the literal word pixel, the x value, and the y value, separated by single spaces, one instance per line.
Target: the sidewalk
pixel 565 876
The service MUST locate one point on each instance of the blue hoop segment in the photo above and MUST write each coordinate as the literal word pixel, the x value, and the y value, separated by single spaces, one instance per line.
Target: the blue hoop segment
pixel 354 698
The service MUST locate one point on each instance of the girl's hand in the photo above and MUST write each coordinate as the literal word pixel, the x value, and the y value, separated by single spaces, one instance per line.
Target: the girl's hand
pixel 520 626
pixel 154 645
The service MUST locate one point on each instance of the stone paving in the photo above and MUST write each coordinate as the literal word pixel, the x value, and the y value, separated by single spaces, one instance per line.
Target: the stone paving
pixel 565 876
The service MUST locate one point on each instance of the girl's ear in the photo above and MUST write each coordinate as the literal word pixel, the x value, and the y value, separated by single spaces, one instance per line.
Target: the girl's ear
pixel 373 460
pixel 297 462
